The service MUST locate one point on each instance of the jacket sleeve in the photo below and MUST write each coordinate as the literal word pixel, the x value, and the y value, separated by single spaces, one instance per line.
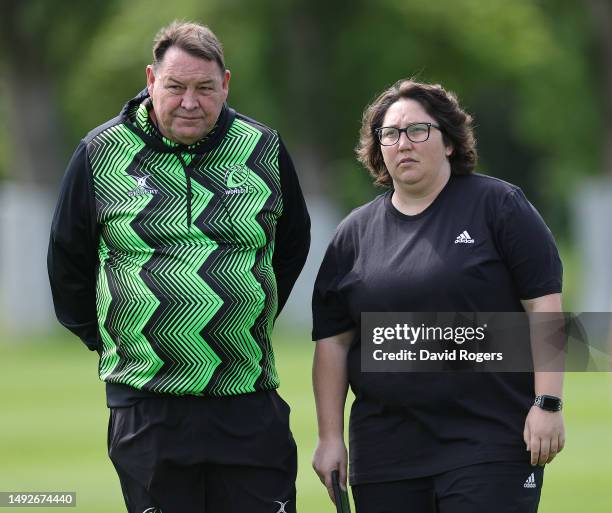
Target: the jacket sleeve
pixel 292 231
pixel 72 258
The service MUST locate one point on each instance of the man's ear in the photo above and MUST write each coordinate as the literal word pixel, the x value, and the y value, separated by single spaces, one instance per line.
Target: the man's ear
pixel 150 79
pixel 226 78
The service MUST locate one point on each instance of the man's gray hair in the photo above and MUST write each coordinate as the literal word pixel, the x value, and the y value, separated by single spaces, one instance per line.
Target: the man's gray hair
pixel 195 39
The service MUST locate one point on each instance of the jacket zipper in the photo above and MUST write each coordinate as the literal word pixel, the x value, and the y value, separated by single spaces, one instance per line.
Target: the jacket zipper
pixel 187 171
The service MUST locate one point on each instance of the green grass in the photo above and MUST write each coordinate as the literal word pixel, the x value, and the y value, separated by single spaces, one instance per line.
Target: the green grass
pixel 53 430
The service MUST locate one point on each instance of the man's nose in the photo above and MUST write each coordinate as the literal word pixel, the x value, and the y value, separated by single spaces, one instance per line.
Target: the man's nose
pixel 189 101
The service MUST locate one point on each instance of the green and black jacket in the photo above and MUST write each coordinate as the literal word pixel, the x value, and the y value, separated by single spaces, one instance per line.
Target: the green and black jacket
pixel 173 261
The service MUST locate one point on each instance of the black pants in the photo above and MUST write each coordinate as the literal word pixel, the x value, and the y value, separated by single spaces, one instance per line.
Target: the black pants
pixel 205 455
pixel 500 487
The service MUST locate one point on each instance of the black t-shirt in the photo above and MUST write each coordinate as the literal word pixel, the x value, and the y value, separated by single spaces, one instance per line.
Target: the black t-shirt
pixel 406 425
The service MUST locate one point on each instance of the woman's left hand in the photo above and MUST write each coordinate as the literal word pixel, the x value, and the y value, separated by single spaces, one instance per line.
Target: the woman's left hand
pixel 544 435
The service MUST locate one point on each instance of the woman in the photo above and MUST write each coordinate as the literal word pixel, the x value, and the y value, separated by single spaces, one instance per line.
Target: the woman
pixel 442 239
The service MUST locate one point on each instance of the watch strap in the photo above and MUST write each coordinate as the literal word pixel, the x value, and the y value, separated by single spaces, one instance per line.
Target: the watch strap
pixel 548 402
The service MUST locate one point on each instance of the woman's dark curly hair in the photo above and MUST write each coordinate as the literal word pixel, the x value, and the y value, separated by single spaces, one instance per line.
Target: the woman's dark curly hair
pixel 442 105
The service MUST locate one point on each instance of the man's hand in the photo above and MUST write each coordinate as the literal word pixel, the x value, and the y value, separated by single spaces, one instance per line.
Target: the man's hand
pixel 544 435
pixel 328 456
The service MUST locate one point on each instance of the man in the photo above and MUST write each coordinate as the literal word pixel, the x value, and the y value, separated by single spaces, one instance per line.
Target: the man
pixel 179 232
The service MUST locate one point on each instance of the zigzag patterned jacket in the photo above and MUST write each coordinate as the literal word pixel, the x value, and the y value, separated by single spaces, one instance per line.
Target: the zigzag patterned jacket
pixel 173 261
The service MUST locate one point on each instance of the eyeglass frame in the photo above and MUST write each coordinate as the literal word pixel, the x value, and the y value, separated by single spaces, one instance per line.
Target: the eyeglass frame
pixel 429 125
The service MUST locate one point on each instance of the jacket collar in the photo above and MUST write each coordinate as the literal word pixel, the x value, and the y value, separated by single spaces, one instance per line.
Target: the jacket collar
pixel 136 116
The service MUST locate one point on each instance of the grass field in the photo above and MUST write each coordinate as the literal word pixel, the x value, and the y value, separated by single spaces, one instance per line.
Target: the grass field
pixel 53 430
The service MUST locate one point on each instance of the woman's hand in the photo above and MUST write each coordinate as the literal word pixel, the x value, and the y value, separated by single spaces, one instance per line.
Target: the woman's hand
pixel 330 455
pixel 544 435
pixel 330 383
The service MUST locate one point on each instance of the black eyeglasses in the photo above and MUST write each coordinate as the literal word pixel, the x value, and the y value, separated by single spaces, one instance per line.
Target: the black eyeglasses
pixel 416 132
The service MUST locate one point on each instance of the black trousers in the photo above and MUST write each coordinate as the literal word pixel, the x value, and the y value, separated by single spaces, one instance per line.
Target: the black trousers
pixel 205 455
pixel 500 487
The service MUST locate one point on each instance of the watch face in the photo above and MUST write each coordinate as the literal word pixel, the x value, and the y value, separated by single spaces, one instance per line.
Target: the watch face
pixel 550 403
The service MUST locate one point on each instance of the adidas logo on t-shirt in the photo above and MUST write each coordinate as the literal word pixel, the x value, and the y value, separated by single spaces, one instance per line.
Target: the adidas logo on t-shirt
pixel 464 238
pixel 530 483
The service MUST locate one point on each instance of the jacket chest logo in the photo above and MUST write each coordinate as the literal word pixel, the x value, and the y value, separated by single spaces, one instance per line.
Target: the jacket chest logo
pixel 235 179
pixel 142 187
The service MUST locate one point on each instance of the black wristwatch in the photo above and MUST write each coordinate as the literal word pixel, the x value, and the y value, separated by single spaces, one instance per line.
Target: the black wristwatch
pixel 548 402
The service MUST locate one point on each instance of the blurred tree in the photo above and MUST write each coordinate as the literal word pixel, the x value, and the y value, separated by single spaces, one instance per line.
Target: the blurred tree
pixel 39 42
pixel 516 67
pixel 312 96
pixel 601 11
pixel 523 69
pixel 5 146
pixel 310 67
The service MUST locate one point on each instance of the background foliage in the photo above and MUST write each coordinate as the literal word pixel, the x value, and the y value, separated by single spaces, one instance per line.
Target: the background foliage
pixel 529 71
